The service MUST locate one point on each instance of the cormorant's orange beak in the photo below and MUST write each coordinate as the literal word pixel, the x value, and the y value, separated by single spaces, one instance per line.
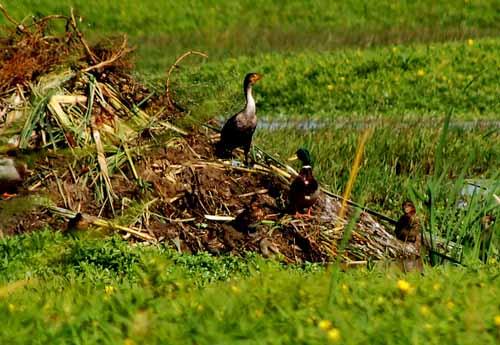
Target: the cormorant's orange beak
pixel 257 77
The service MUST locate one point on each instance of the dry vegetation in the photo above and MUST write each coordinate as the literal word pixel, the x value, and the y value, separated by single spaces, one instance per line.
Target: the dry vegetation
pixel 107 148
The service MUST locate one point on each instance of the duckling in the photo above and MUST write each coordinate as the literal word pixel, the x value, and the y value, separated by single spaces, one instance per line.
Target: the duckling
pixel 408 225
pixel 238 130
pixel 304 190
pixel 248 220
pixel 77 223
pixel 12 174
pixel 487 223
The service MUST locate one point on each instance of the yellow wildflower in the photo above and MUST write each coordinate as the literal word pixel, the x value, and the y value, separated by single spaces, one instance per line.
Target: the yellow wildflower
pixel 200 307
pixel 394 49
pixel 497 321
pixel 333 334
pixel 330 87
pixel 436 286
pixel 450 305
pixel 236 290
pixel 342 78
pixel 380 300
pixel 12 307
pixel 344 287
pixel 420 73
pixel 424 310
pixel 428 326
pixel 109 289
pixel 404 286
pixel 325 325
pixel 258 313
pixel 128 341
pixel 470 42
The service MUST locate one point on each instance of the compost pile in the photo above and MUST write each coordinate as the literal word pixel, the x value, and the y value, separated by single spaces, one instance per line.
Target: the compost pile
pixel 105 154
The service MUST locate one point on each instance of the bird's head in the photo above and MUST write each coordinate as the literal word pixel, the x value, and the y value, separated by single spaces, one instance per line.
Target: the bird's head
pixel 408 208
pixel 252 78
pixel 304 156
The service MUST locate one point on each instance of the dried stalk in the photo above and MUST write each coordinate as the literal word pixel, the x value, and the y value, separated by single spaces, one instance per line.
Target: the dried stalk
pixel 219 218
pixel 80 37
pixel 121 52
pixel 102 223
pixel 19 26
pixel 175 65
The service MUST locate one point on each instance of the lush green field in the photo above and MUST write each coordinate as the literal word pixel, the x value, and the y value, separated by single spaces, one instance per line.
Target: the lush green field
pixel 400 81
pixel 397 67
pixel 165 29
pixel 92 291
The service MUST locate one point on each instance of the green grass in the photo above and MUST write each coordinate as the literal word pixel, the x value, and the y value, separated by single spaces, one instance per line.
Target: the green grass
pixel 395 159
pixel 345 62
pixel 400 82
pixel 89 291
pixel 165 29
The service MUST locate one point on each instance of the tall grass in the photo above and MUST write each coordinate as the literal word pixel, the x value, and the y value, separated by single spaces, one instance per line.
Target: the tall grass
pixel 397 157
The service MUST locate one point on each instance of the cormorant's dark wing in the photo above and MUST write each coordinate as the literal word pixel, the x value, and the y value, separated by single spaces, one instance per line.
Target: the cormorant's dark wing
pixel 232 136
pixel 224 147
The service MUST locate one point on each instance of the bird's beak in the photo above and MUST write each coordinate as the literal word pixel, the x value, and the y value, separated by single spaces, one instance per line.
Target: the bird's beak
pixel 258 77
pixel 293 158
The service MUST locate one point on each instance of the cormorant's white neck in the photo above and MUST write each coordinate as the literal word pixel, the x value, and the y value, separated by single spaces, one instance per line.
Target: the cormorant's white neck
pixel 250 106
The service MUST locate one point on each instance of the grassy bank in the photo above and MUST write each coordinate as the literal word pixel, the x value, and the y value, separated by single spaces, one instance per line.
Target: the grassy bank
pixel 165 29
pixel 90 291
pixel 398 82
pixel 97 289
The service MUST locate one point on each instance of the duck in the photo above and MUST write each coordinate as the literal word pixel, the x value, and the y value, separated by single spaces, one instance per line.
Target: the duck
pixel 408 226
pixel 487 223
pixel 249 219
pixel 304 190
pixel 12 175
pixel 238 130
pixel 77 223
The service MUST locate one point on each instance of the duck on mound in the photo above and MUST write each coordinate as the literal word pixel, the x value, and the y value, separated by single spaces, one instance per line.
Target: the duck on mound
pixel 12 174
pixel 304 190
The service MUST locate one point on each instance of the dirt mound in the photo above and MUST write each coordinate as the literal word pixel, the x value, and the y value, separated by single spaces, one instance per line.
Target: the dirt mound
pixel 102 145
pixel 182 195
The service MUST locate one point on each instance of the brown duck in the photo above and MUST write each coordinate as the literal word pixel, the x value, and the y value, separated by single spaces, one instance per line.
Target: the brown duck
pixel 408 225
pixel 12 174
pixel 304 190
pixel 238 130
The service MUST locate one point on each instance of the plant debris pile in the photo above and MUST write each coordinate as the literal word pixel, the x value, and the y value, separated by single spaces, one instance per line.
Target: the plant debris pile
pixel 105 154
